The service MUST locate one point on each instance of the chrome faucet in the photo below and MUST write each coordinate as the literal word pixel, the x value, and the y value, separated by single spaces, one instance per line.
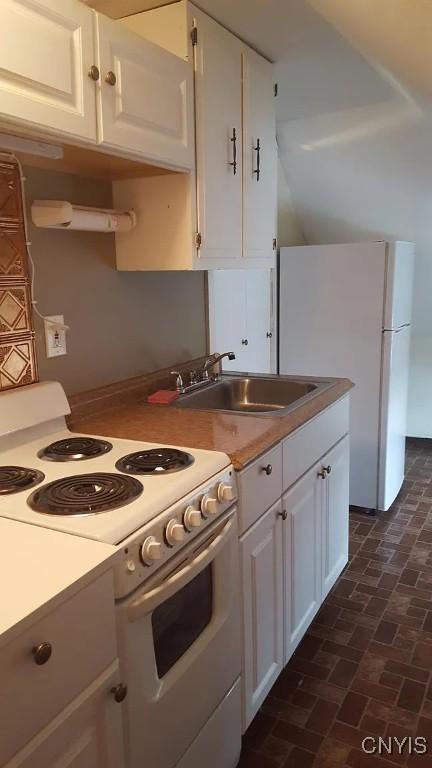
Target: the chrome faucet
pixel 212 361
pixel 201 377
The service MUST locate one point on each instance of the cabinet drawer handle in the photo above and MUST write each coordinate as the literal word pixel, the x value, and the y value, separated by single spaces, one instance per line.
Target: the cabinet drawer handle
pixel 119 692
pixel 328 469
pixel 257 170
pixel 283 514
pixel 94 73
pixel 110 78
pixel 244 342
pixel 269 335
pixel 233 139
pixel 322 474
pixel 42 653
pixel 268 469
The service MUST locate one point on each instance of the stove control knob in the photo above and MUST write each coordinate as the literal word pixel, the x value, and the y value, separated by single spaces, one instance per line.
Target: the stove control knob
pixel 225 492
pixel 192 518
pixel 151 550
pixel 209 505
pixel 174 532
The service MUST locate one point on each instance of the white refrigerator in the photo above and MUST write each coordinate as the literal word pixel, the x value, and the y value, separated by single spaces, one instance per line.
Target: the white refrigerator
pixel 345 311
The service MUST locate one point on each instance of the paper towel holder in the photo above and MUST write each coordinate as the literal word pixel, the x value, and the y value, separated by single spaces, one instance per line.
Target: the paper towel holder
pixel 60 214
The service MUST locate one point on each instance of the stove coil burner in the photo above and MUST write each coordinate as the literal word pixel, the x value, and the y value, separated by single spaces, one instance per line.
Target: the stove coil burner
pixel 155 461
pixel 15 479
pixel 75 449
pixel 87 494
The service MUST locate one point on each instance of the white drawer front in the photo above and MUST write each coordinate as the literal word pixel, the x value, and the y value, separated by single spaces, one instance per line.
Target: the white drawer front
pixel 306 446
pixel 260 485
pixel 81 632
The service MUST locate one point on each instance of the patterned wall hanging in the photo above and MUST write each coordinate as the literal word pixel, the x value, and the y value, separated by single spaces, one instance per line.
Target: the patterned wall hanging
pixel 17 347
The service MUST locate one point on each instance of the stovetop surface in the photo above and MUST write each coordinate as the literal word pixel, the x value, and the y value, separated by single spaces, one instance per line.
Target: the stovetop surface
pixel 160 490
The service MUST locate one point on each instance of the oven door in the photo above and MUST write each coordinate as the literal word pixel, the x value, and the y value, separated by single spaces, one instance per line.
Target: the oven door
pixel 179 639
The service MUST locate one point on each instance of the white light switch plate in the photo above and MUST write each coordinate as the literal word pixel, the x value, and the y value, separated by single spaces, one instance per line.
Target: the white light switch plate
pixel 55 338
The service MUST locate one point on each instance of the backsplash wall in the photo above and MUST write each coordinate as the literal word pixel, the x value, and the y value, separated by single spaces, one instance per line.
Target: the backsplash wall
pixel 121 324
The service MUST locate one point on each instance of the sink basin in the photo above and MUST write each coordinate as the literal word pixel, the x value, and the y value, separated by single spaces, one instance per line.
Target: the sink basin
pixel 253 394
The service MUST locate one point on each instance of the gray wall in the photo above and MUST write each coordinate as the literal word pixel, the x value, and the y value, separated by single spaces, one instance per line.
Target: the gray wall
pixel 121 324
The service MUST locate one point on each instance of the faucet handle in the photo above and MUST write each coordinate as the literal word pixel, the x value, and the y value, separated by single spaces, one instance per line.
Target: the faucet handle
pixel 179 380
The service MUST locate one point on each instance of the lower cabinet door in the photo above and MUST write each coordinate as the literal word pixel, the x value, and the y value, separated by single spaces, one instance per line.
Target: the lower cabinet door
pixel 302 552
pixel 261 554
pixel 87 734
pixel 335 514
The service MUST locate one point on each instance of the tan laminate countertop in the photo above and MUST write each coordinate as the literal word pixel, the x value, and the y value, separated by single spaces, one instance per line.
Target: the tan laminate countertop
pixel 242 437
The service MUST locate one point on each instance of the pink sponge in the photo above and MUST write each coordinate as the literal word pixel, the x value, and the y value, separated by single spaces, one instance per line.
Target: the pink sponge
pixel 162 397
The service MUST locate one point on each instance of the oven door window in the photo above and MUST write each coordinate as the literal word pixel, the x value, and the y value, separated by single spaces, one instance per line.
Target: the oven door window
pixel 180 620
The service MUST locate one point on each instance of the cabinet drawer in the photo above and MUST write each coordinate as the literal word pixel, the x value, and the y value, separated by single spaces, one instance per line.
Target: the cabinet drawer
pixel 81 632
pixel 306 446
pixel 260 485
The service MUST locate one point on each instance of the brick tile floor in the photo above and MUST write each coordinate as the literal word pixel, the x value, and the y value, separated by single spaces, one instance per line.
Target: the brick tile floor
pixel 365 666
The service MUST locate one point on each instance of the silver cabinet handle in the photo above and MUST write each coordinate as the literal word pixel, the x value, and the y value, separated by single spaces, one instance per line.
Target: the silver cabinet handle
pixel 269 335
pixel 268 469
pixel 233 139
pixel 257 171
pixel 244 342
pixel 283 514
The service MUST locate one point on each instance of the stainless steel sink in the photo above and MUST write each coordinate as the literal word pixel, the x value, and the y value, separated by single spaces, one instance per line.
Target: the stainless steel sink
pixel 254 394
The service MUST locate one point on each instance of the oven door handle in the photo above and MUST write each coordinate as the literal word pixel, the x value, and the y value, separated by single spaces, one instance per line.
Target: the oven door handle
pixel 148 601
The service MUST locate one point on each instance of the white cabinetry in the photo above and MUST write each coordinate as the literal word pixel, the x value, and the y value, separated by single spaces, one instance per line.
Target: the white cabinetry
pixel 145 98
pixel 58 706
pixel 259 157
pixel 87 734
pixel 262 569
pixel 46 51
pixel 218 111
pixel 241 318
pixel 68 71
pixel 334 514
pixel 302 540
pixel 229 218
pixel 311 520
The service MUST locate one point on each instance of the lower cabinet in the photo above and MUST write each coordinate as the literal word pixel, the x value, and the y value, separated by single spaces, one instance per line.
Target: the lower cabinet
pixel 87 734
pixel 334 514
pixel 290 558
pixel 302 555
pixel 261 550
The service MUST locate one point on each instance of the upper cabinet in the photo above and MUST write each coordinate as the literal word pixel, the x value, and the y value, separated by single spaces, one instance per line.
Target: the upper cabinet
pixel 259 157
pixel 46 51
pixel 231 202
pixel 218 111
pixel 78 75
pixel 145 97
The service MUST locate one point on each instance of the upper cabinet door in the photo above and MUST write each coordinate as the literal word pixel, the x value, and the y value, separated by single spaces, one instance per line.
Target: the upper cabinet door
pixel 219 140
pixel 259 157
pixel 145 97
pixel 46 51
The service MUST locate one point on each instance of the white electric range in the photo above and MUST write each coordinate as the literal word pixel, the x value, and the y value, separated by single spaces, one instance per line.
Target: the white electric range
pixel 172 513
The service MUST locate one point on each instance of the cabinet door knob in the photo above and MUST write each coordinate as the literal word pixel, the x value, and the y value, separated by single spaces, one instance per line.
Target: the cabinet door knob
pixel 119 692
pixel 283 514
pixel 244 342
pixel 94 73
pixel 269 335
pixel 268 469
pixel 110 78
pixel 328 468
pixel 42 653
pixel 322 474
